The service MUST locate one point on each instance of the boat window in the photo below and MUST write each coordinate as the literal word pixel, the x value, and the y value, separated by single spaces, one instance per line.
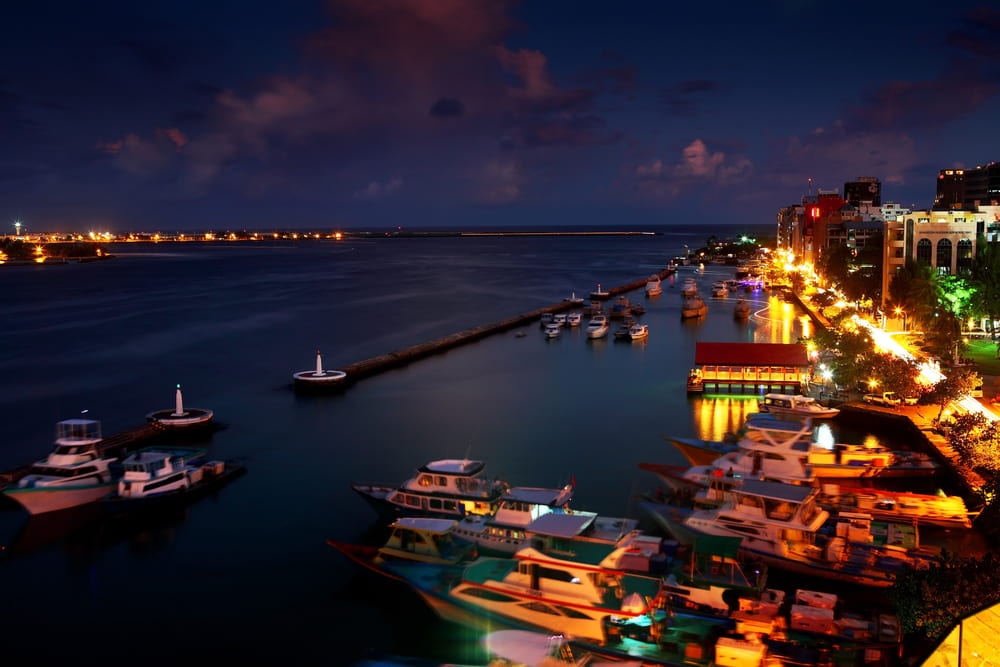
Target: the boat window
pixel 486 595
pixel 572 613
pixel 412 500
pixel 778 509
pixel 84 471
pixel 451 505
pixel 434 503
pixel 441 480
pixel 425 480
pixel 538 606
pixel 51 472
pixel 743 529
pixel 165 481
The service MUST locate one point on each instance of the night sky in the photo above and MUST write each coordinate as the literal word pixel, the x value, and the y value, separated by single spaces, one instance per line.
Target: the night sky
pixel 157 115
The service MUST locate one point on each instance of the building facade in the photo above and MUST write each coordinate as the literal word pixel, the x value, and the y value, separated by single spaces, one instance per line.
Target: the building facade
pixel 942 239
pixel 968 189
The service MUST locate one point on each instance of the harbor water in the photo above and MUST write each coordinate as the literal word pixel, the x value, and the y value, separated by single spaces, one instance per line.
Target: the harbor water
pixel 244 575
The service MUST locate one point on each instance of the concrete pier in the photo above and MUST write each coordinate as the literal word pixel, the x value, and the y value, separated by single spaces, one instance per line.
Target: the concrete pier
pixel 406 355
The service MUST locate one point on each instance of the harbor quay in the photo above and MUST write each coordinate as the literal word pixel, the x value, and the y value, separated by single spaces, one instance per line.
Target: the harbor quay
pixel 384 362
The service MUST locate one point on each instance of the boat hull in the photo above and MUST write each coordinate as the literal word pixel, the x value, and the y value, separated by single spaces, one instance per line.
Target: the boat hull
pixel 40 499
pixel 116 504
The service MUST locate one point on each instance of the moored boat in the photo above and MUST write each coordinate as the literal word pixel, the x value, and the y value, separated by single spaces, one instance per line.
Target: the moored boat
pixel 74 473
pixel 653 286
pixel 446 488
pixel 693 307
pixel 785 526
pixel 742 310
pixel 421 539
pixel 597 327
pixel 795 404
pixel 638 331
pixel 162 475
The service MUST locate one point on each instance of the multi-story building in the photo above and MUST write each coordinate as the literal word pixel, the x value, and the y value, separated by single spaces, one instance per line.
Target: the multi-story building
pixel 968 189
pixel 942 239
pixel 863 190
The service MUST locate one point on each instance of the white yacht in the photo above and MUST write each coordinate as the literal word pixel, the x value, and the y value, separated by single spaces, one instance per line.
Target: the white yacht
pixel 157 474
pixel 784 526
pixel 653 286
pixel 638 331
pixel 447 488
pixel 795 404
pixel 552 330
pixel 597 327
pixel 574 319
pixel 75 473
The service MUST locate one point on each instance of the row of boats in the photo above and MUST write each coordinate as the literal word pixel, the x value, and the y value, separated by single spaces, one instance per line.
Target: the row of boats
pixel 488 555
pixel 694 306
pixel 79 471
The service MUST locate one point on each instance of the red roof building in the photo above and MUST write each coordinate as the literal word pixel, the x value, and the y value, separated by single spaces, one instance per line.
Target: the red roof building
pixel 750 366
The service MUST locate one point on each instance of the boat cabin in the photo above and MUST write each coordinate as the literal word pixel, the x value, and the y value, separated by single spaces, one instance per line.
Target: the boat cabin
pixel 779 503
pixel 450 486
pixel 424 539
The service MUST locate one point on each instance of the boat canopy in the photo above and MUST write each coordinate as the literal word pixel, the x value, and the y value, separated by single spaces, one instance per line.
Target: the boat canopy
pixel 539 496
pixel 556 524
pixel 775 490
pixel 454 467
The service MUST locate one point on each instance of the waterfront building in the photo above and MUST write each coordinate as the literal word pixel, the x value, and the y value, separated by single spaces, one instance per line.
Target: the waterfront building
pixel 750 367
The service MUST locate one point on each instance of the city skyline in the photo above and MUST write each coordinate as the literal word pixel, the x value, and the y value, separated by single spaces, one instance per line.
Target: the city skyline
pixel 353 114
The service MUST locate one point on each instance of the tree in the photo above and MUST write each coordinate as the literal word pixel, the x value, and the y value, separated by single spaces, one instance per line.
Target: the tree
pixel 951 387
pixel 916 290
pixel 977 441
pixel 986 279
pixel 929 601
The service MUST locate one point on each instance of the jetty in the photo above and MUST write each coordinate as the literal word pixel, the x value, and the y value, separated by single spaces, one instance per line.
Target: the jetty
pixel 367 367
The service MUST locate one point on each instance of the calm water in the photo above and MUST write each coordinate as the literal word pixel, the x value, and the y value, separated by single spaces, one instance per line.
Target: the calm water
pixel 245 574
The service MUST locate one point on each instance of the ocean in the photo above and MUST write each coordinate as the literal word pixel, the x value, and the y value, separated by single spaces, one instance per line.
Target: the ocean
pixel 244 575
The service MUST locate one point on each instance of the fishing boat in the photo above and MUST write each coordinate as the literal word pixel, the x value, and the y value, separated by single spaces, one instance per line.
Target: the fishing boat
pixel 785 526
pixel 653 286
pixel 552 330
pixel 720 290
pixel 742 310
pixel 795 404
pixel 689 287
pixel 638 331
pixel 74 473
pixel 446 488
pixel 161 475
pixel 574 319
pixel 621 308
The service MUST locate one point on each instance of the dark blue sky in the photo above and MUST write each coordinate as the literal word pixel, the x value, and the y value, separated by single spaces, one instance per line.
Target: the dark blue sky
pixel 352 113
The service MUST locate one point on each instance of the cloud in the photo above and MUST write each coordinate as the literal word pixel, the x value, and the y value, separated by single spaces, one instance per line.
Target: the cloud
pixel 146 156
pixel 831 155
pixel 697 167
pixel 376 190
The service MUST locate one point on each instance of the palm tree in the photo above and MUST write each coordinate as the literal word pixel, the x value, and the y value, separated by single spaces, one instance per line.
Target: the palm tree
pixel 915 288
pixel 986 278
